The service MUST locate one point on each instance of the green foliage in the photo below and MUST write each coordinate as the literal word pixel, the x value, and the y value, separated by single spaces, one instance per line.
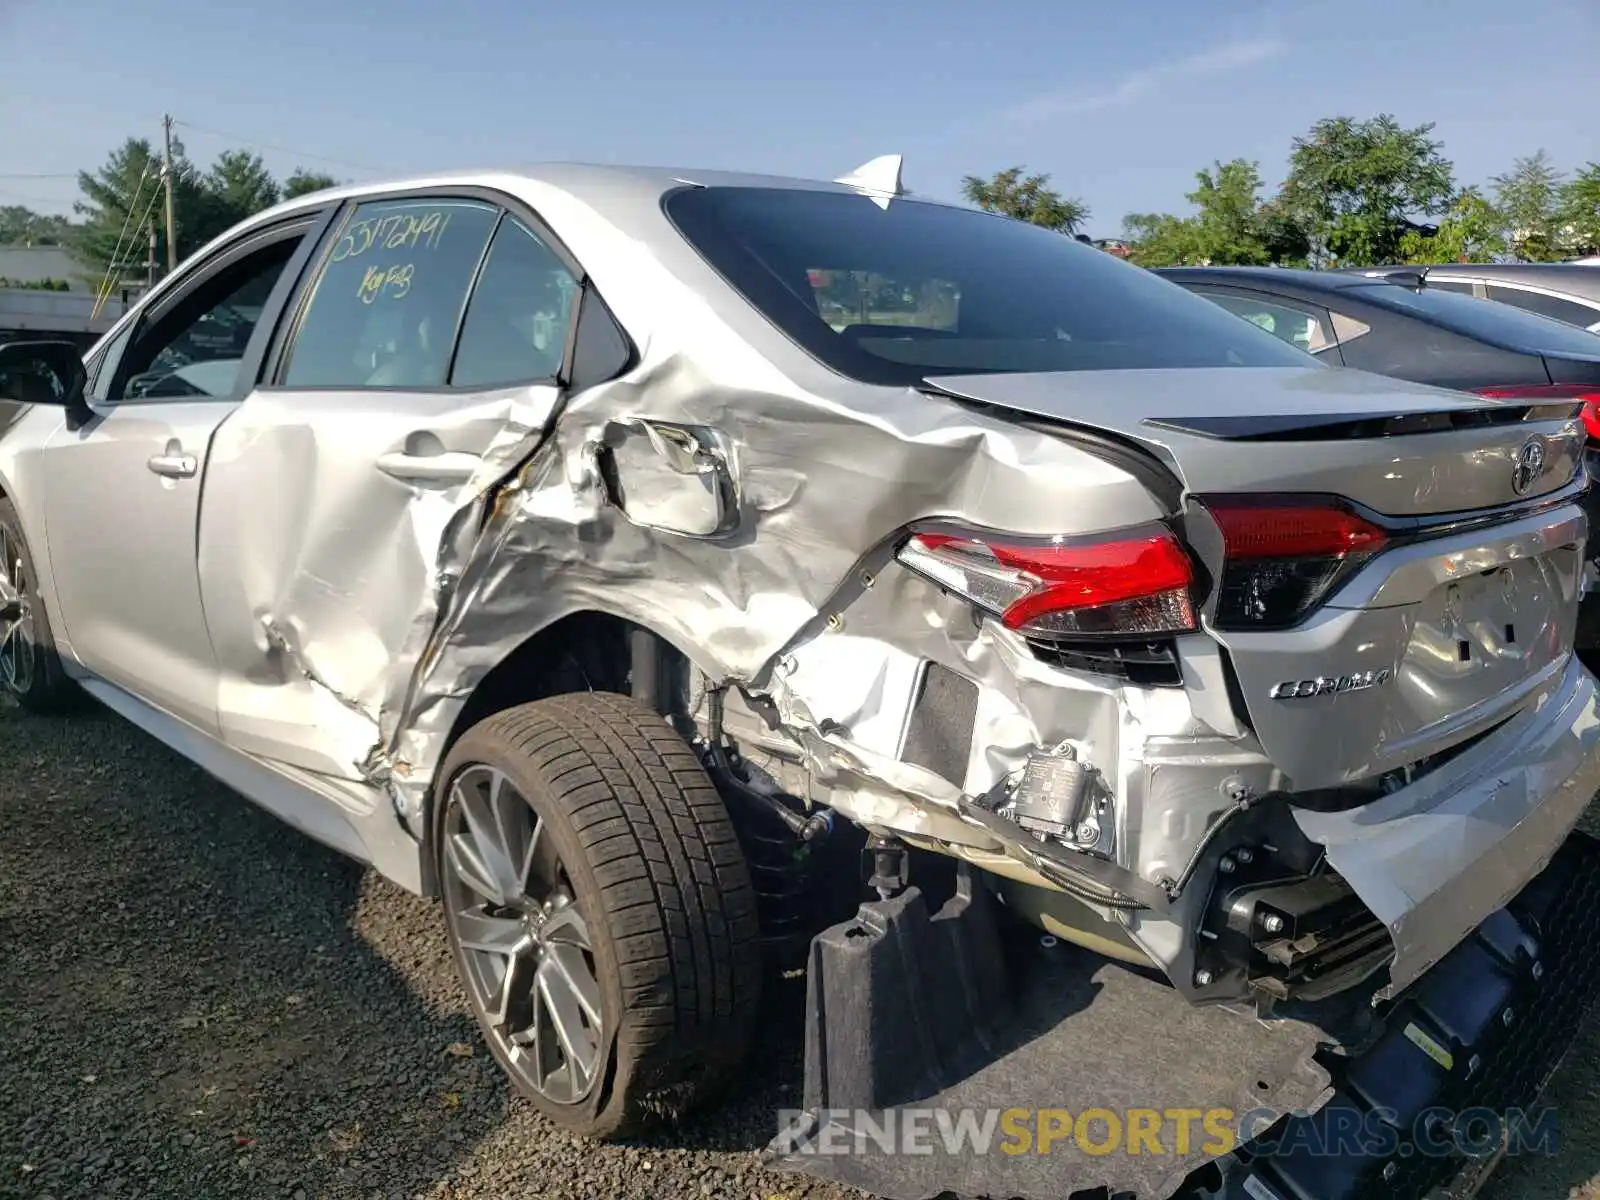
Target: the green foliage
pixel 1231 225
pixel 1356 187
pixel 1528 198
pixel 1027 198
pixel 303 182
pixel 21 226
pixel 124 198
pixel 36 285
pixel 1472 231
pixel 1579 211
pixel 239 182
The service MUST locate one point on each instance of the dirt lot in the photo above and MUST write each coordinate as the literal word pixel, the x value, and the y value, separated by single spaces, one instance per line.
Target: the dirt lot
pixel 196 1001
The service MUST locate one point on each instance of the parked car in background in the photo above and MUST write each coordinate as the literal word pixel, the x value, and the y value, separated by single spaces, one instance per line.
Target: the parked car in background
pixel 1393 323
pixel 1568 292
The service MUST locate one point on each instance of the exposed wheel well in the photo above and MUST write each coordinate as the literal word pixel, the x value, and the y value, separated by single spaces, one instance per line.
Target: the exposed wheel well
pixel 582 652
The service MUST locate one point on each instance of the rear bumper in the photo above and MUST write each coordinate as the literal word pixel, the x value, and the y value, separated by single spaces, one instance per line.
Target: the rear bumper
pixel 1435 859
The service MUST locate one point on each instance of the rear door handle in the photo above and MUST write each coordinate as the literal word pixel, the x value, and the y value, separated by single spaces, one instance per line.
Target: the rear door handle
pixel 174 466
pixel 448 467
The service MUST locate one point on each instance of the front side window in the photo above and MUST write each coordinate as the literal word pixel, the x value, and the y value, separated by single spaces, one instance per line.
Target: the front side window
pixel 1464 286
pixel 196 350
pixel 385 308
pixel 1302 327
pixel 516 325
pixel 891 295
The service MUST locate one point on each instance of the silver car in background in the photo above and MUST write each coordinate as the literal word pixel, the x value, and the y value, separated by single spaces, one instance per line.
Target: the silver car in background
pixel 554 539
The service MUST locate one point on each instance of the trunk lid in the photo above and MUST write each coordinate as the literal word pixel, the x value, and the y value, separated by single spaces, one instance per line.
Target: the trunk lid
pixel 1438 636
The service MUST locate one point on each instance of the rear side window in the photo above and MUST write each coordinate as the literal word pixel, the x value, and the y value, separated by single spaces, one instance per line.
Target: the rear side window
pixel 890 295
pixel 1499 325
pixel 517 320
pixel 385 309
pixel 1546 306
pixel 1301 325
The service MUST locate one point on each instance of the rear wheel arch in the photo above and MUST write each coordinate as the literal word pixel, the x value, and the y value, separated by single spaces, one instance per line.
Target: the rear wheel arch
pixel 588 650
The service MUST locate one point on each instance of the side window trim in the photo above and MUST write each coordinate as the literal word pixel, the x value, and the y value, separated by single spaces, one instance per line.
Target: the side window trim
pixel 466 296
pixel 281 301
pixel 309 226
pixel 508 206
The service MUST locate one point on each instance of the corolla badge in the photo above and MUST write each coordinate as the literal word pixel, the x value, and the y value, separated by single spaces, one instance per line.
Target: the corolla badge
pixel 1330 685
pixel 1527 466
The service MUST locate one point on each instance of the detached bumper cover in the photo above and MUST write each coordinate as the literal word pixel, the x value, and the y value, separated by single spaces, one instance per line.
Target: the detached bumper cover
pixel 1470 1047
pixel 1435 859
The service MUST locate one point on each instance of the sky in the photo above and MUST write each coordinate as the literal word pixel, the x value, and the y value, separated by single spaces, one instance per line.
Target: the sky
pixel 1120 103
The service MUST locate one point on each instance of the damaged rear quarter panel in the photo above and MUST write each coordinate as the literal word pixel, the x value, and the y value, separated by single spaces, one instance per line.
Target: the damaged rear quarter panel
pixel 823 471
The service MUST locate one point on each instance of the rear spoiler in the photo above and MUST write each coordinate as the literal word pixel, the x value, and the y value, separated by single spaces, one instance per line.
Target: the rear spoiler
pixel 1324 427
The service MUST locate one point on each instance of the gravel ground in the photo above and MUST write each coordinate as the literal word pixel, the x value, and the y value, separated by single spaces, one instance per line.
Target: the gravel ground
pixel 196 1001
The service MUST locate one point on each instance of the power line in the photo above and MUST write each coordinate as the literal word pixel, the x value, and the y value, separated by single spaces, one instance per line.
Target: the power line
pixel 37 175
pixel 258 144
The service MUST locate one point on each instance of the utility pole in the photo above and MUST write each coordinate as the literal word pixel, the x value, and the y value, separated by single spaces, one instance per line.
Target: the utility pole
pixel 166 180
pixel 150 260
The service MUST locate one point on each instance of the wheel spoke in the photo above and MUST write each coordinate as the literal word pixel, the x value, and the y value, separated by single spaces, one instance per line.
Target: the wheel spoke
pixel 565 1013
pixel 532 877
pixel 567 962
pixel 511 1005
pixel 491 935
pixel 469 868
pixel 566 925
pixel 482 802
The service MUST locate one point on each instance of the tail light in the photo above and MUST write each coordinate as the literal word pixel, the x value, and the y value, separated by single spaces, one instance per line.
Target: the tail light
pixel 1132 584
pixel 1587 394
pixel 1284 554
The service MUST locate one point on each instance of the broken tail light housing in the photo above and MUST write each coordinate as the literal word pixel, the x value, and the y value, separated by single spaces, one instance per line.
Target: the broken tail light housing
pixel 1586 394
pixel 1131 584
pixel 1283 555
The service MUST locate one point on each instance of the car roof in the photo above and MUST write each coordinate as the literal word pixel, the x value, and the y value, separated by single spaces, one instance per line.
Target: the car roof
pixel 598 185
pixel 1574 279
pixel 1281 276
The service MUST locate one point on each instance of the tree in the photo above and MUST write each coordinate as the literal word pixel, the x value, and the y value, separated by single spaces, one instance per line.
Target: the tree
pixel 1472 231
pixel 304 181
pixel 123 198
pixel 1027 198
pixel 240 184
pixel 1230 225
pixel 1161 240
pixel 120 199
pixel 1529 197
pixel 1357 187
pixel 21 226
pixel 1579 217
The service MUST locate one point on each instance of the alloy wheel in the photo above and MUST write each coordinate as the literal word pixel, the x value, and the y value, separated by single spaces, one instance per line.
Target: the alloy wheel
pixel 16 635
pixel 525 947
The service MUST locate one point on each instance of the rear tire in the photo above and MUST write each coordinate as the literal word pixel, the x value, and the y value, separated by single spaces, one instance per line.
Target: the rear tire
pixel 30 669
pixel 624 862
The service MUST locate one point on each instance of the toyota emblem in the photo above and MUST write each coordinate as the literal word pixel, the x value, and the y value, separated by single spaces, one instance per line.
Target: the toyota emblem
pixel 1528 466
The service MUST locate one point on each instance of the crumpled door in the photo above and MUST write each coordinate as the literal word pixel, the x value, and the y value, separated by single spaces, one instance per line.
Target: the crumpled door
pixel 320 532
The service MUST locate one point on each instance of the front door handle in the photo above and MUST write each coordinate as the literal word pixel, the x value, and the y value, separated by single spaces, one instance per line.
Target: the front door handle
pixel 174 466
pixel 446 467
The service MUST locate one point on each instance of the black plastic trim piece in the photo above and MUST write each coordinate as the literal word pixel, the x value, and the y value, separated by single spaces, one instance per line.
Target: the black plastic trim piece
pixel 1328 427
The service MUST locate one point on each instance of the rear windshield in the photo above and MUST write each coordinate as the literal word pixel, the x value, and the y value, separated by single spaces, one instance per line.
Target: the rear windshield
pixel 1488 321
pixel 891 295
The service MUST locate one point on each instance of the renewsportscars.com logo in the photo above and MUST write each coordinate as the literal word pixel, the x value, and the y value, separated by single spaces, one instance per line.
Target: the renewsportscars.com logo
pixel 1476 1133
